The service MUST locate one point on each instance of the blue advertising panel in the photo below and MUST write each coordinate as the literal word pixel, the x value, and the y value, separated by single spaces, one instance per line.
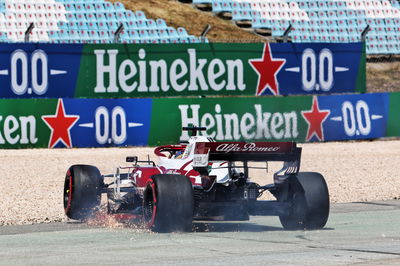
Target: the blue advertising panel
pixel 141 71
pixel 319 68
pixel 353 117
pixel 56 123
pixel 39 70
pixel 110 122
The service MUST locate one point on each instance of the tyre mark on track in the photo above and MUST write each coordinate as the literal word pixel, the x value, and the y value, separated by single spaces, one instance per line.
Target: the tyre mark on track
pixel 250 240
pixel 369 251
pixel 378 204
pixel 355 250
pixel 304 238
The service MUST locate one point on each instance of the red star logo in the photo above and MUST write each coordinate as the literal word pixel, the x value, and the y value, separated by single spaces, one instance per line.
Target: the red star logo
pixel 267 69
pixel 314 118
pixel 60 125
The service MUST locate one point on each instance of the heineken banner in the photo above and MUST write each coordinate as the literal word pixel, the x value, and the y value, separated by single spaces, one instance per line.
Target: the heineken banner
pixel 74 122
pixel 300 118
pixel 52 123
pixel 132 71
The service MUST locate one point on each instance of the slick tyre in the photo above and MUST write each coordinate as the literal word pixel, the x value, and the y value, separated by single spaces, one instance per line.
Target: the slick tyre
pixel 168 203
pixel 82 191
pixel 309 198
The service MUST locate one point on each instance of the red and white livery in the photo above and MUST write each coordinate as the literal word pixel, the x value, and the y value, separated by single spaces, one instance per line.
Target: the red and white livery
pixel 201 180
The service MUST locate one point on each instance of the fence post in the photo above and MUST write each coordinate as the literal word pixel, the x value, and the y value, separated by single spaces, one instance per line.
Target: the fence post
pixel 364 33
pixel 118 33
pixel 28 32
pixel 286 33
pixel 205 32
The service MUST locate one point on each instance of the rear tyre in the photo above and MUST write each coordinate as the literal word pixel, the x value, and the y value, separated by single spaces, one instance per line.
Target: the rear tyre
pixel 309 198
pixel 168 203
pixel 82 191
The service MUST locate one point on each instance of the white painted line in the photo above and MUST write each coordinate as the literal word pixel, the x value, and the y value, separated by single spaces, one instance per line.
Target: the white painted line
pixel 341 69
pixel 293 69
pixel 89 125
pixel 376 117
pixel 135 125
pixel 57 72
pixel 337 118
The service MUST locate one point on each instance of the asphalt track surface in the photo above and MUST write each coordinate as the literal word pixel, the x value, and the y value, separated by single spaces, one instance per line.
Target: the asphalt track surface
pixel 356 234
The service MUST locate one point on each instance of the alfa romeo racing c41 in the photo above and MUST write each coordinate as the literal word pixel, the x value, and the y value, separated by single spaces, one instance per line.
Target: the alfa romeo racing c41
pixel 201 180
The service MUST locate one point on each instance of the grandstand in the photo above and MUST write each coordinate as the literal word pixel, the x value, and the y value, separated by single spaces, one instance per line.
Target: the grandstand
pixel 317 20
pixel 96 21
pixel 83 21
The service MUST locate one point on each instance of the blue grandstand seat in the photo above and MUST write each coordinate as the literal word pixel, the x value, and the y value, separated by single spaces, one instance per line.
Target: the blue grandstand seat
pixel 328 14
pixel 92 26
pixel 322 5
pixel 63 36
pixel 163 33
pixel 182 32
pixel 161 24
pixel 108 7
pixel 134 36
pixel 256 23
pixel 102 26
pixel 144 35
pixel 74 35
pixel 119 6
pixel 130 25
pixel 153 35
pixel 53 35
pixel 217 6
pixel 111 17
pixel 3 37
pixel 202 1
pixel 130 15
pixel 151 24
pixel 94 36
pixel 84 35
pixel 74 25
pixel 112 25
pixel 67 21
pixel 172 33
pixel 140 15
pixel 142 24
pixel 224 6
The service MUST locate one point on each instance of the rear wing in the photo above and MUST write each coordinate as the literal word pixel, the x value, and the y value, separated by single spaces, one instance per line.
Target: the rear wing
pixel 286 152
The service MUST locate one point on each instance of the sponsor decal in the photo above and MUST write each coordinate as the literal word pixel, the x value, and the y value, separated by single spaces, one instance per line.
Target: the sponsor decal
pixel 120 71
pixel 18 130
pixel 247 147
pixel 267 69
pixel 315 119
pixel 39 70
pixel 256 124
pixel 60 125
pixel 189 73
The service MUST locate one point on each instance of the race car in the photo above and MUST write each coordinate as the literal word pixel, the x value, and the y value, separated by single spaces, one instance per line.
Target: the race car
pixel 201 180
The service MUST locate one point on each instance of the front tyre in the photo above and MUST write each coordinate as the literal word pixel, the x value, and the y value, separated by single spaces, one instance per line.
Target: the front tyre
pixel 82 191
pixel 309 198
pixel 168 203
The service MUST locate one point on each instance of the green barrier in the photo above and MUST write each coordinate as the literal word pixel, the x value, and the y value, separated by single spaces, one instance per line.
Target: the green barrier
pixel 21 123
pixel 254 69
pixel 55 123
pixel 230 119
pixel 167 70
pixel 393 127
